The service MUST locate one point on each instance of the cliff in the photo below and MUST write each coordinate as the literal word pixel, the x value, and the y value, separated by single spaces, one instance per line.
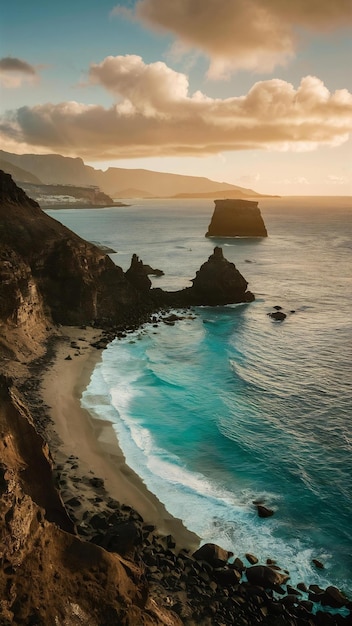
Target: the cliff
pixel 48 268
pixel 48 575
pixel 236 218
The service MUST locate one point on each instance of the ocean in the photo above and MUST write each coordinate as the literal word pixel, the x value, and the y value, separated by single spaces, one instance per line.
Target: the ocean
pixel 228 407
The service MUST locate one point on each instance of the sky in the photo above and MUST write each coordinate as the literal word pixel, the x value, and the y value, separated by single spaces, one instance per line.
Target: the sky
pixel 257 93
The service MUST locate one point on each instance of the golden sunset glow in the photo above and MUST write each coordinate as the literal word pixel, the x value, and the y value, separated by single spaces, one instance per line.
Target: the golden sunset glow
pixel 217 87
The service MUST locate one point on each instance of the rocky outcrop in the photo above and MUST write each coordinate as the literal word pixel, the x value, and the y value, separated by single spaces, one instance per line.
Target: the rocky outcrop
pixel 77 282
pixel 137 275
pixel 217 282
pixel 50 275
pixel 236 218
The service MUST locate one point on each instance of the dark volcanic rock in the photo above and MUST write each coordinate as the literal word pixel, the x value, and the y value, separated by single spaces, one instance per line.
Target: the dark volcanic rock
pixel 49 574
pixel 236 218
pixel 264 511
pixel 137 275
pixel 333 597
pixel 77 282
pixel 151 271
pixel 277 315
pixel 219 282
pixel 212 554
pixel 265 576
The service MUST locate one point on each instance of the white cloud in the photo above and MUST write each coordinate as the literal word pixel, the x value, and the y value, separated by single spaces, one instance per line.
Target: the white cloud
pixel 154 114
pixel 149 89
pixel 234 34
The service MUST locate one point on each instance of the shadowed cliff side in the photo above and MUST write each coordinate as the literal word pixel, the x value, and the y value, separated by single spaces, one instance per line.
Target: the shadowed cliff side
pixel 48 575
pixel 78 282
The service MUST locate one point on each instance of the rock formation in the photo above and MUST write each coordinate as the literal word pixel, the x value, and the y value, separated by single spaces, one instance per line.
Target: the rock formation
pixel 217 282
pixel 42 261
pixel 236 218
pixel 137 275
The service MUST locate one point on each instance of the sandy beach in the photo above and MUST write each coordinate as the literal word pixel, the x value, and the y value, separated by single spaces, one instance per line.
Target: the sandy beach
pixel 89 445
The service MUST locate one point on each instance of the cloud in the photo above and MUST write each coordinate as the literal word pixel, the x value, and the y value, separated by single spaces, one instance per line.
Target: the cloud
pixel 154 114
pixel 240 34
pixel 151 89
pixel 13 72
pixel 337 180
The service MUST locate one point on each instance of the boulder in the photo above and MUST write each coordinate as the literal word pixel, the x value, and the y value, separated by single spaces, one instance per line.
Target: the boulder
pixel 264 511
pixel 212 554
pixel 236 218
pixel 265 576
pixel 277 315
pixel 251 558
pixel 318 564
pixel 334 598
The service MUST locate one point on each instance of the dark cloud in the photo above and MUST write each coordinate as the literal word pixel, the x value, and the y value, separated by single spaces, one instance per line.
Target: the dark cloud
pixel 14 72
pixel 11 64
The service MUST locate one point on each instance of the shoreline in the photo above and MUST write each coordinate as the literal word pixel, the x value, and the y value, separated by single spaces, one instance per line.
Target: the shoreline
pixel 91 444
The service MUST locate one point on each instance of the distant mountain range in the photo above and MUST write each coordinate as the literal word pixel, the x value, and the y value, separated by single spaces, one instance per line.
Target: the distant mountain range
pixel 117 182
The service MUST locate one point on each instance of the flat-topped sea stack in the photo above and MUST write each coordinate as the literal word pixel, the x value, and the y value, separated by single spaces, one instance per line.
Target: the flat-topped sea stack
pixel 236 218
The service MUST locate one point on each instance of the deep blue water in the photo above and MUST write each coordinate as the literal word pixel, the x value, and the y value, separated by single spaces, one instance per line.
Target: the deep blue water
pixel 231 407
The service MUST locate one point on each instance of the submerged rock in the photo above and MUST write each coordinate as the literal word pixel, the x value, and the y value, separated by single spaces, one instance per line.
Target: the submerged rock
pixel 264 511
pixel 277 315
pixel 236 218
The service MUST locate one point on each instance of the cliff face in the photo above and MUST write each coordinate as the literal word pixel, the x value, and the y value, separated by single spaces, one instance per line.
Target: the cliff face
pixel 44 262
pixel 48 575
pixel 236 218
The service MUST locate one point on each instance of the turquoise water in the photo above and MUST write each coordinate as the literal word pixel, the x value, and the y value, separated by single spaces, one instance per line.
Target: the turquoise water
pixel 231 407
